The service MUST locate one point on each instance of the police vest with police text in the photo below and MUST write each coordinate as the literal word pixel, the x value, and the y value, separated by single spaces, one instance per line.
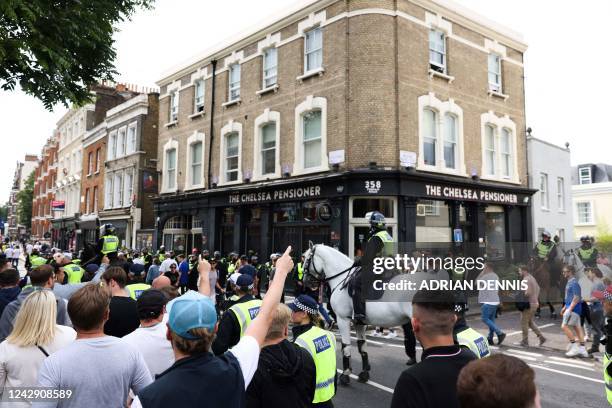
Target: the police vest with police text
pixel 543 249
pixel 476 342
pixel 110 244
pixel 586 254
pixel 75 273
pixel 607 378
pixel 388 244
pixel 245 313
pixel 300 271
pixel 136 289
pixel 321 344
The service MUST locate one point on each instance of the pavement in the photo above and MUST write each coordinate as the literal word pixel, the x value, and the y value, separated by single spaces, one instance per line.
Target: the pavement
pixel 562 382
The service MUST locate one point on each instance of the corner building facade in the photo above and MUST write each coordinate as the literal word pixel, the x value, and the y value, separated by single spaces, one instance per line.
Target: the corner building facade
pixel 414 108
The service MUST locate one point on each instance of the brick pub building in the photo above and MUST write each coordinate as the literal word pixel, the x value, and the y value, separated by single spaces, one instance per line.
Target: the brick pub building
pixel 292 133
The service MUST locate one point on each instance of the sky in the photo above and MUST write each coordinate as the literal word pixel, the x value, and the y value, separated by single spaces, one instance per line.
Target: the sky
pixel 566 90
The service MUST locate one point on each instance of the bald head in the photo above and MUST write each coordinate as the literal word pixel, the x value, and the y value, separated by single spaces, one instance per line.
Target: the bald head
pixel 161 281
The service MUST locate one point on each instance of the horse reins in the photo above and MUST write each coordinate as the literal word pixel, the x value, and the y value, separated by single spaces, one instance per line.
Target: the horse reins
pixel 319 276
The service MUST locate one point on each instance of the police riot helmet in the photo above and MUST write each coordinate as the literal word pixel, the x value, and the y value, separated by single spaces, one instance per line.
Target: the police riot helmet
pixel 546 234
pixel 217 255
pixel 585 238
pixel 377 220
pixel 109 229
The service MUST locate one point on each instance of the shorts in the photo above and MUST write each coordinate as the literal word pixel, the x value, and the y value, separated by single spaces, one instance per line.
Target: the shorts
pixel 571 319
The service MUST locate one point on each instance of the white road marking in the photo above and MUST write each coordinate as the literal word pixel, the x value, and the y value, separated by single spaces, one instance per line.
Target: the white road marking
pixel 569 365
pixel 372 383
pixel 566 373
pixel 520 331
pixel 509 353
pixel 573 361
pixel 380 343
pixel 525 353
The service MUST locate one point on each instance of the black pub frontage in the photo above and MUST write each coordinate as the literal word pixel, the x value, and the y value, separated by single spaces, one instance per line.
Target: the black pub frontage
pixel 266 217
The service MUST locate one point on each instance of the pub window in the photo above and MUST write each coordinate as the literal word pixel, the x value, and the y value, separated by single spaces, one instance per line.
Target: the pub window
pixel 437 51
pixel 199 96
pixel 433 221
pixel 428 208
pixel 285 212
pixel 270 62
pixel 495 232
pixel 171 169
pixel 310 147
pixel 232 156
pixel 234 82
pixel 430 136
pixel 268 148
pixel 490 150
pixel 313 50
pixel 450 141
pixel 361 206
pixel 196 163
pixel 498 140
pixel 506 153
pixel 312 139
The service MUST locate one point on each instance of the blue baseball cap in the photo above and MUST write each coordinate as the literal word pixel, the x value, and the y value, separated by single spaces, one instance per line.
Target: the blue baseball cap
pixel 245 282
pixel 248 270
pixel 187 314
pixel 304 303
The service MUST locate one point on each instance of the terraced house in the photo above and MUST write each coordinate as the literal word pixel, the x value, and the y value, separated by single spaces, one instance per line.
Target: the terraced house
pixel 293 132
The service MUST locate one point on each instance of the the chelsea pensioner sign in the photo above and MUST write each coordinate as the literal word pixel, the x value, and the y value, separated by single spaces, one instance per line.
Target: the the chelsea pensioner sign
pixel 276 195
pixel 470 194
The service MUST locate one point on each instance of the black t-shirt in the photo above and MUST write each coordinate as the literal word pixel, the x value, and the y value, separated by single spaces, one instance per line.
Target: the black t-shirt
pixel 123 318
pixel 433 382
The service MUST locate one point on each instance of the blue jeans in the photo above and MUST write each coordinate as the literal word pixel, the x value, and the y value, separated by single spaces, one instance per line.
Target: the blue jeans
pixel 488 317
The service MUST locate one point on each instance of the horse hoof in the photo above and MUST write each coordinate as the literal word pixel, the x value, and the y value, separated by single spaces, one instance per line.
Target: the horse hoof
pixel 344 379
pixel 364 376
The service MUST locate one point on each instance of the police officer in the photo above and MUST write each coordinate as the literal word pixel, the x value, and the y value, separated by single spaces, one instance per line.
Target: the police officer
pixel 587 252
pixel 136 289
pixel 467 337
pixel 108 244
pixel 299 277
pixel 74 271
pixel 35 260
pixel 161 253
pixel 235 321
pixel 606 298
pixel 380 244
pixel 321 344
pixel 546 250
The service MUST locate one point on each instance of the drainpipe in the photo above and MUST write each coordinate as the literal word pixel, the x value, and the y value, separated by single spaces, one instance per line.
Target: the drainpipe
pixel 212 122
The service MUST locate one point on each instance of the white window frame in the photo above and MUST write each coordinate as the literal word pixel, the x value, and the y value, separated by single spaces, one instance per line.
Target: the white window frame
pixel 307 52
pixel 235 85
pixel 118 193
pixel 584 178
pixel 431 102
pixel 544 192
pixel 591 221
pixel 196 137
pixel 95 199
pixel 198 102
pixel 130 147
pixel 90 163
pixel 128 188
pixel 174 106
pixel 506 154
pixel 264 119
pixel 499 123
pixel 121 142
pixel 230 127
pixel 170 144
pixel 561 194
pixel 87 199
pixel 495 86
pixel 311 103
pixel 112 144
pixel 265 68
pixel 434 64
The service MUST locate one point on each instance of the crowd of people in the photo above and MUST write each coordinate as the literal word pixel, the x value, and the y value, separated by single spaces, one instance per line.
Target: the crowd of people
pixel 159 329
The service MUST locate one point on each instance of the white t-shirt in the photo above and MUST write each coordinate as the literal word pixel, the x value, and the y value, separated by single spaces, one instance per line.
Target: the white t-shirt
pixel 9 252
pixel 165 265
pixel 19 366
pixel 154 347
pixel 29 248
pixel 100 371
pixel 247 354
pixel 16 253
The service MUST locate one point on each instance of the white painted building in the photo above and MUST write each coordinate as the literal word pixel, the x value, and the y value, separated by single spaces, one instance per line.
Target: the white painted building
pixel 550 173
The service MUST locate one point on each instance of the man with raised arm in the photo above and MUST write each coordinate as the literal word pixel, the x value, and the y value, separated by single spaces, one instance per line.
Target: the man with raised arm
pixel 197 376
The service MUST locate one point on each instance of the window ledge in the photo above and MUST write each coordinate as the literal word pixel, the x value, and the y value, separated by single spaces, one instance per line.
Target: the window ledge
pixel 434 73
pixel 314 72
pixel 435 169
pixel 170 124
pixel 500 179
pixel 300 172
pixel 197 115
pixel 195 187
pixel 265 177
pixel 497 94
pixel 230 103
pixel 230 183
pixel 273 88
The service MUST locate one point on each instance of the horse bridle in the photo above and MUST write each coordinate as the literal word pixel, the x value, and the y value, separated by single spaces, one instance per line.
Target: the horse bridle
pixel 319 276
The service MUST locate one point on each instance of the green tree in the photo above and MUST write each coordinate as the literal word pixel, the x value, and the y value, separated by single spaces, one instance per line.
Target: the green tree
pixel 56 49
pixel 4 212
pixel 24 203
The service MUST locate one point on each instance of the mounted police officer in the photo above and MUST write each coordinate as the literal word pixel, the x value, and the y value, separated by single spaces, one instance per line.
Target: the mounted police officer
pixel 380 244
pixel 546 250
pixel 587 252
pixel 606 297
pixel 108 244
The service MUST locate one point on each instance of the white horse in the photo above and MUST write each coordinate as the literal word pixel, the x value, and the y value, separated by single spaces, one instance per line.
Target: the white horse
pixel 327 265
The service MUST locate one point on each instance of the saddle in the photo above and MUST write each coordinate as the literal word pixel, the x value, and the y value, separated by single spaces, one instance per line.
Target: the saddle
pixel 354 279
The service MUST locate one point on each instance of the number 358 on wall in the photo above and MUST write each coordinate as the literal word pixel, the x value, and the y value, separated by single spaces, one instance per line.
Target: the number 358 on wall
pixel 373 186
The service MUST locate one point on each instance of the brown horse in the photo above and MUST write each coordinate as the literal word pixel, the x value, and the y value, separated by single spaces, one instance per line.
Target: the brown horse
pixel 541 271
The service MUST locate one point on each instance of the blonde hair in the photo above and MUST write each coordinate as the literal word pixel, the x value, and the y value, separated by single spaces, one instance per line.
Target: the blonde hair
pixel 191 347
pixel 280 321
pixel 35 321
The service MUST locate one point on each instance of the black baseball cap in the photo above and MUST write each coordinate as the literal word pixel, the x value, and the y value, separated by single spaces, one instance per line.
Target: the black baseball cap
pixel 150 304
